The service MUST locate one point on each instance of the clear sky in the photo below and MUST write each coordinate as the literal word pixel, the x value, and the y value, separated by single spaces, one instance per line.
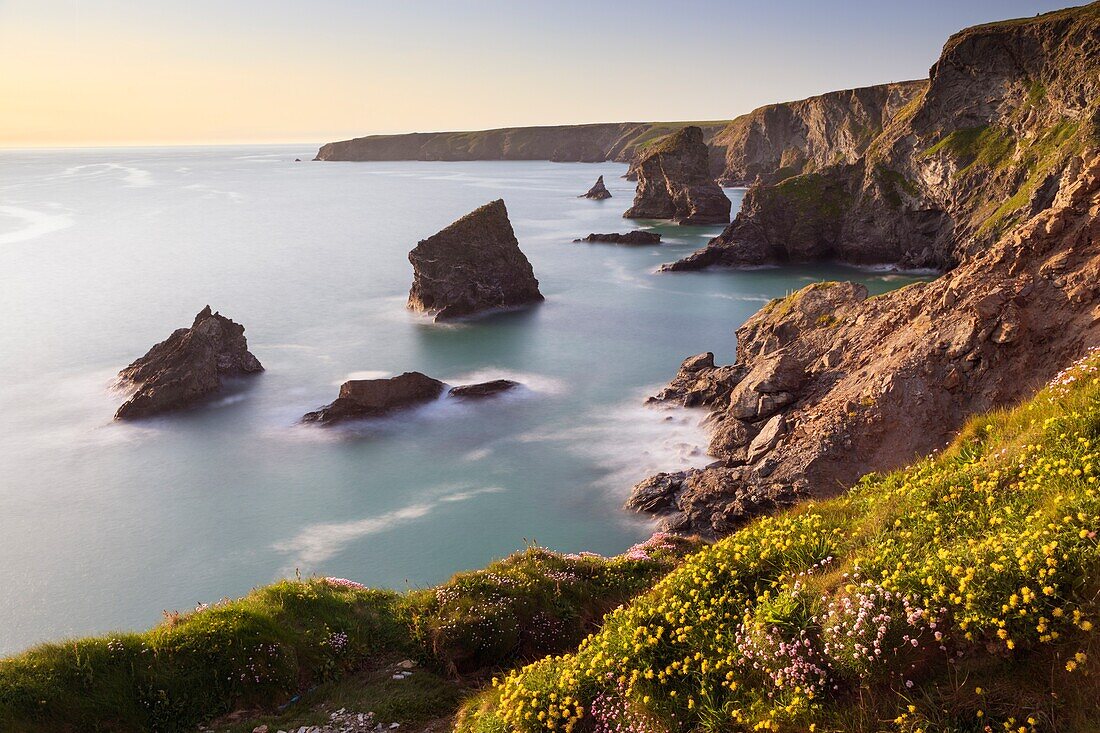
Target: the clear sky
pixel 113 72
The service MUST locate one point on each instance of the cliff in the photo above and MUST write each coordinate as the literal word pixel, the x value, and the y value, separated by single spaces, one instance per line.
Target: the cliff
pixel 771 142
pixel 616 141
pixel 782 140
pixel 980 150
pixel 996 168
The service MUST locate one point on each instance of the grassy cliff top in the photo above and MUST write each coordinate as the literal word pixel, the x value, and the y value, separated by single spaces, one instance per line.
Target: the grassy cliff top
pixel 958 593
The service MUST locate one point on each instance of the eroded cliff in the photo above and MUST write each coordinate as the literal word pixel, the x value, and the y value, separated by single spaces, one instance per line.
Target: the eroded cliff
pixel 980 150
pixel 995 170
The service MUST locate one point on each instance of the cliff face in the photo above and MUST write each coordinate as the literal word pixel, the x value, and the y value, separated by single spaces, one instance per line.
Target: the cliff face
pixel 563 143
pixel 978 151
pixel 995 169
pixel 769 143
pixel 782 140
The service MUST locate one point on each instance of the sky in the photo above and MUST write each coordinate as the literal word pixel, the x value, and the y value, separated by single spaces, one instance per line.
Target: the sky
pixel 148 72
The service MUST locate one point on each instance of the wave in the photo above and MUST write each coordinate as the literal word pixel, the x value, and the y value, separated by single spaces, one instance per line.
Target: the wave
pixel 211 192
pixel 367 374
pixel 35 223
pixel 633 441
pixel 529 381
pixel 131 177
pixel 318 543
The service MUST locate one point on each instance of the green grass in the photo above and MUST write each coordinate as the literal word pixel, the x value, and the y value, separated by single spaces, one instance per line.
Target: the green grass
pixel 976 148
pixel 658 132
pixel 893 184
pixel 778 308
pixel 293 636
pixel 810 197
pixel 977 572
pixel 1037 160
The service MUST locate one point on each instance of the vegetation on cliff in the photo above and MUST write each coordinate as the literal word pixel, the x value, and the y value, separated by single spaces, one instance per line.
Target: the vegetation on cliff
pixel 956 594
pixel 288 637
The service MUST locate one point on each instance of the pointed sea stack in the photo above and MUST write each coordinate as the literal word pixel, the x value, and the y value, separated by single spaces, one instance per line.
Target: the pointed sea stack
pixel 598 192
pixel 473 265
pixel 674 182
pixel 187 366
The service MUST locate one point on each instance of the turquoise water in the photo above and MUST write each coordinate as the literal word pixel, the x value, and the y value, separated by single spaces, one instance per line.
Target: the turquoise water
pixel 104 252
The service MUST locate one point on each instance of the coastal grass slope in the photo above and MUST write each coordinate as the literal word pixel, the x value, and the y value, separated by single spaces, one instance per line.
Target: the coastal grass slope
pixel 260 651
pixel 958 594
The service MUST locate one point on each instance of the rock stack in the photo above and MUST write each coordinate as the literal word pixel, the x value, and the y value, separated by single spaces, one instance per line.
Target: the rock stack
pixel 598 192
pixel 186 367
pixel 473 265
pixel 674 182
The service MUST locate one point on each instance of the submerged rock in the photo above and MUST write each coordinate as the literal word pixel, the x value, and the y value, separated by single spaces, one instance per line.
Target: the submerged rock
pixel 635 237
pixel 361 398
pixel 598 192
pixel 674 182
pixel 473 265
pixel 483 389
pixel 187 366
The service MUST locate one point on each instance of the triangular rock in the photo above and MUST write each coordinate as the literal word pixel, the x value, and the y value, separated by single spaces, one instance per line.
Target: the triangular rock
pixel 473 265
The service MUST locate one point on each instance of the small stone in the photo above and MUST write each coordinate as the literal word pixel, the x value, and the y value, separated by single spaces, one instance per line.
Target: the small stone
pixel 1005 333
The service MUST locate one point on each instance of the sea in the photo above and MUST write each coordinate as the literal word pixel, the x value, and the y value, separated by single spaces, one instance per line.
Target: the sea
pixel 104 252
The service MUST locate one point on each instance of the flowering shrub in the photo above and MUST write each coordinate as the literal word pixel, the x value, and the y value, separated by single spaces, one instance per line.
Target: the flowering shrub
pixel 536 601
pixel 980 564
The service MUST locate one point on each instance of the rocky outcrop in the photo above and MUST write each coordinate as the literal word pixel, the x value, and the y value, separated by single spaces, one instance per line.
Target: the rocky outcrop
pixel 830 384
pixel 483 389
pixel 473 265
pixel 363 398
pixel 367 398
pixel 186 367
pixel 636 237
pixel 596 143
pixel 977 152
pixel 598 192
pixel 675 182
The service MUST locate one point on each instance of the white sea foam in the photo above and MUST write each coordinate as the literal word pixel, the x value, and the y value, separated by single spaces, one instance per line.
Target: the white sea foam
pixel 478 454
pixel 633 441
pixel 318 543
pixel 211 192
pixel 263 158
pixel 368 374
pixel 529 381
pixel 34 223
pixel 132 177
